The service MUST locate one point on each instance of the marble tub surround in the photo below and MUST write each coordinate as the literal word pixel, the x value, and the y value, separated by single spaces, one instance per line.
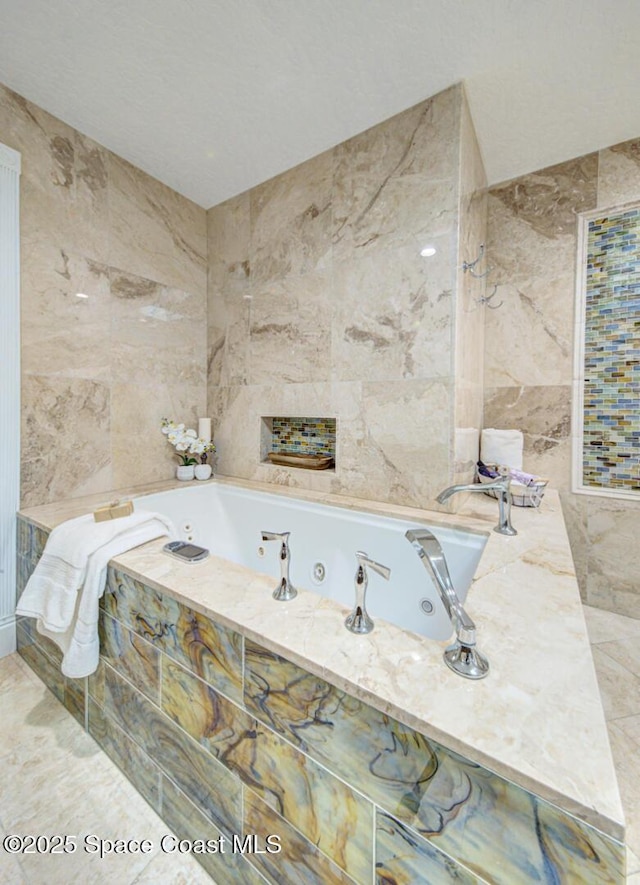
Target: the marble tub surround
pixel 320 303
pixel 539 733
pixel 111 364
pixel 532 240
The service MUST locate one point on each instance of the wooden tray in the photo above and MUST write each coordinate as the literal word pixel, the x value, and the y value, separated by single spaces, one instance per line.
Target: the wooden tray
pixel 298 459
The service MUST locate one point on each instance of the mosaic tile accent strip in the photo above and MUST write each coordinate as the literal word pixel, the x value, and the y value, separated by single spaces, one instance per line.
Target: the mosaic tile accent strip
pixel 310 436
pixel 611 432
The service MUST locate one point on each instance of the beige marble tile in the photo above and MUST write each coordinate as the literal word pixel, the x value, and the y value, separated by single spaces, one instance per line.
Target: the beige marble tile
pixel 614 557
pixel 228 245
pixel 472 232
pixel 155 232
pixel 58 781
pixel 574 510
pixel 619 687
pixel 528 339
pixel 393 319
pixel 229 291
pixel 140 451
pixel 630 726
pixel 65 438
pixel 404 456
pixel 63 186
pixel 619 174
pixel 158 333
pixel 625 652
pixel 608 626
pixel 228 341
pixel 185 871
pixel 626 756
pixel 291 221
pixel 396 183
pixel 10 870
pixel 531 246
pixel 64 334
pixel 543 414
pixel 290 330
pixel 633 863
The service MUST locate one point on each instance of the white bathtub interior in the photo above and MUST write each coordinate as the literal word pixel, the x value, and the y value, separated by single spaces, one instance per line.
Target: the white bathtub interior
pixel 324 539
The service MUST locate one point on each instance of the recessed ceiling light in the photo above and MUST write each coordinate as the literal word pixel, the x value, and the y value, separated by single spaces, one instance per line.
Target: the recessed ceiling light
pixel 428 251
pixel 81 295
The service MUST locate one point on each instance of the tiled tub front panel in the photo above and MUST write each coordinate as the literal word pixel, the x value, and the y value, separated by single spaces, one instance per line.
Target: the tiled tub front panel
pixel 223 737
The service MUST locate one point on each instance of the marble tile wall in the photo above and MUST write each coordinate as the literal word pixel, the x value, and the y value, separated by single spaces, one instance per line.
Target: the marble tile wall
pixel 469 324
pixel 320 303
pixel 240 740
pixel 98 373
pixel 531 242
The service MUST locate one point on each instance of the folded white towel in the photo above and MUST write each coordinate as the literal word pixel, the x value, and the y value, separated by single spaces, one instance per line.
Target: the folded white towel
pixel 502 447
pixel 68 581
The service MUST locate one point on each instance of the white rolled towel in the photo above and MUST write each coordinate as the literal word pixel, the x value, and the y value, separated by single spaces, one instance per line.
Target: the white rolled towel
pixel 502 447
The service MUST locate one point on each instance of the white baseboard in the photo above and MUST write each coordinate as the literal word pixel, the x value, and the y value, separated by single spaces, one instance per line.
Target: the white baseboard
pixel 7 637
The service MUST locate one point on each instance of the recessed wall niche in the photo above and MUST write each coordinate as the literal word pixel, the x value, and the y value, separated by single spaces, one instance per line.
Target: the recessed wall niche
pixel 312 438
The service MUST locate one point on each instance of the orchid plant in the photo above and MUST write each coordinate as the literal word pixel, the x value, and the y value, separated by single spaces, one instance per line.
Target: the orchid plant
pixel 186 442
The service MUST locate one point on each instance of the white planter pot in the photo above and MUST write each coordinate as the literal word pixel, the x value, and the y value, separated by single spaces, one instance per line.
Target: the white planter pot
pixel 185 473
pixel 203 471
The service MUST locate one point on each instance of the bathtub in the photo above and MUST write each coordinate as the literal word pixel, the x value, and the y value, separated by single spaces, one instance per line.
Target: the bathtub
pixel 324 539
pixel 204 649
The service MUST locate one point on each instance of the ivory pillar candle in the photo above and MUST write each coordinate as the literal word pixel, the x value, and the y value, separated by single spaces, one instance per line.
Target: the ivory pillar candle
pixel 204 429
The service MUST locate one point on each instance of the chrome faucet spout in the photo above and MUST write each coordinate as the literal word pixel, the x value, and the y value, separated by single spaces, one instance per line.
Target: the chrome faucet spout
pixel 463 657
pixel 285 590
pixel 502 487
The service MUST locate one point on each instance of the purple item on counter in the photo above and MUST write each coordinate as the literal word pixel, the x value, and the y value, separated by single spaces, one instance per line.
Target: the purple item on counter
pixel 487 471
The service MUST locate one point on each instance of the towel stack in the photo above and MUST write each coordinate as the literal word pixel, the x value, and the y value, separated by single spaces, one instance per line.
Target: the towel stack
pixel 63 591
pixel 502 447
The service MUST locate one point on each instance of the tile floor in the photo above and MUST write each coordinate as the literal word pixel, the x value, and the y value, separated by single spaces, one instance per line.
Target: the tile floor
pixel 57 780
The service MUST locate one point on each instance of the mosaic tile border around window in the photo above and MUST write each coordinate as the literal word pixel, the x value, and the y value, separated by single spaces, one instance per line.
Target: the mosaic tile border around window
pixel 242 741
pixel 611 386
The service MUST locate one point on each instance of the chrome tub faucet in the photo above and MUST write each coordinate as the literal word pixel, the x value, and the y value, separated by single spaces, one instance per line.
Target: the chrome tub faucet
pixel 503 488
pixel 359 621
pixel 462 657
pixel 285 589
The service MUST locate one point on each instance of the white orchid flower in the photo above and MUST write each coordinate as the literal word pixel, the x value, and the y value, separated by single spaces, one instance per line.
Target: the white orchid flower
pixel 191 433
pixel 182 446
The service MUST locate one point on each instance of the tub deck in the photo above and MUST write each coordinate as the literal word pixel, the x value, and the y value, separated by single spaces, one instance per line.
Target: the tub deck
pixel 537 720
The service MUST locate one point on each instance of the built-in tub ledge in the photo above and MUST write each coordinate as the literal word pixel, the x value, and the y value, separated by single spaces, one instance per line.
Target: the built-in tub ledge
pixel 537 720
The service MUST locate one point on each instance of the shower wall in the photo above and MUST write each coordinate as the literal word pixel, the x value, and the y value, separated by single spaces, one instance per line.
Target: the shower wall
pixel 321 304
pixel 113 295
pixel 529 350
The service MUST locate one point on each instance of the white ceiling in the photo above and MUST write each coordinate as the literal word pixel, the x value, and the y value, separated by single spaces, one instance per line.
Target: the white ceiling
pixel 214 96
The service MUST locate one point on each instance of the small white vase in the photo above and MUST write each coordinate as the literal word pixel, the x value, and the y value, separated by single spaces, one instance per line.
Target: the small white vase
pixel 185 473
pixel 203 471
